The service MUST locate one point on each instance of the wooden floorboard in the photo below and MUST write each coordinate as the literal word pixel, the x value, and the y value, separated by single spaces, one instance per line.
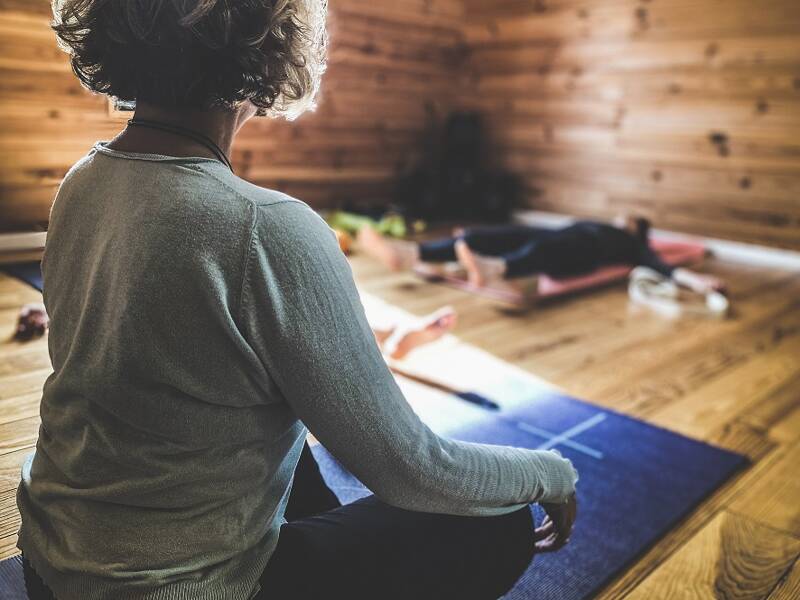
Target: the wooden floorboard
pixel 775 499
pixel 732 557
pixel 734 383
pixel 788 588
pixel 779 414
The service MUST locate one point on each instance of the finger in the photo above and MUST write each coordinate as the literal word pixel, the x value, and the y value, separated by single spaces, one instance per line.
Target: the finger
pixel 544 532
pixel 550 544
pixel 556 543
pixel 546 545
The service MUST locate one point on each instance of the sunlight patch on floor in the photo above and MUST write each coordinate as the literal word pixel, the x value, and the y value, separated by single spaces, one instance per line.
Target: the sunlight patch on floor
pixel 456 364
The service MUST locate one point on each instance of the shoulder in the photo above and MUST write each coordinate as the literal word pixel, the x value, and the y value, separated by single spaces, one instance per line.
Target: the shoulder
pixel 270 207
pixel 280 219
pixel 78 172
pixel 284 230
pixel 272 219
pixel 280 231
pixel 293 253
pixel 224 184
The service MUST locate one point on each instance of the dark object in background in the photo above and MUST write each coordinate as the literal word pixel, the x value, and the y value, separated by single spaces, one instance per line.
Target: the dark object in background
pixel 455 182
pixel 33 322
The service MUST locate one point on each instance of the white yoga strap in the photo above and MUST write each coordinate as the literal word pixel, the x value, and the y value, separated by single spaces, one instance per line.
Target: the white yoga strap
pixel 650 288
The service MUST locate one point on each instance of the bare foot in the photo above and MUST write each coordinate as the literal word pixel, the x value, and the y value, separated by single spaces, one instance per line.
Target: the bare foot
pixel 430 329
pixel 433 270
pixel 708 283
pixel 398 255
pixel 700 283
pixel 481 270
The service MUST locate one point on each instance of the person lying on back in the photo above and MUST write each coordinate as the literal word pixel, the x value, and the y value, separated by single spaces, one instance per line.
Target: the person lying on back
pixel 492 255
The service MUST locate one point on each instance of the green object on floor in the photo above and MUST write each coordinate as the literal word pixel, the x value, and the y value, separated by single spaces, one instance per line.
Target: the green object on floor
pixel 392 225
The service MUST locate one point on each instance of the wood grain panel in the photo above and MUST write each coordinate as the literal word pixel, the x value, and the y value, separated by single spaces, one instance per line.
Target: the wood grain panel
pixel 779 414
pixel 687 112
pixel 773 501
pixel 732 557
pixel 19 435
pixel 676 19
pixel 9 522
pixel 789 586
pixel 393 69
pixel 657 362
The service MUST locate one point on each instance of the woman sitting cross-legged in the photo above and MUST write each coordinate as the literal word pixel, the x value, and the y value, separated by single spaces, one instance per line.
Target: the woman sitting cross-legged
pixel 499 254
pixel 201 326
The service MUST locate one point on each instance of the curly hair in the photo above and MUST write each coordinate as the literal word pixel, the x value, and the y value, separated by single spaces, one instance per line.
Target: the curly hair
pixel 198 53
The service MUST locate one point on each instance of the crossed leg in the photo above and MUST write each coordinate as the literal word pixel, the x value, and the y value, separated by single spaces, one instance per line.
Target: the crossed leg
pixel 368 550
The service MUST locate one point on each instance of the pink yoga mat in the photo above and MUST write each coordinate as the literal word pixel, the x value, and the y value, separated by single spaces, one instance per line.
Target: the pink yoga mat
pixel 672 252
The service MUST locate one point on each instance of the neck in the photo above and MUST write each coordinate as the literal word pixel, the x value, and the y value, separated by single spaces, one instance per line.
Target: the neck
pixel 219 125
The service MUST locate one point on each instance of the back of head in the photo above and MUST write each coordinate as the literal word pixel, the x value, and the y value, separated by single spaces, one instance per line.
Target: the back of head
pixel 198 54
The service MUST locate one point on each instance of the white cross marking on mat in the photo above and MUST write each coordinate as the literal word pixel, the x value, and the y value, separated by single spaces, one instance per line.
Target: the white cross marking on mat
pixel 554 439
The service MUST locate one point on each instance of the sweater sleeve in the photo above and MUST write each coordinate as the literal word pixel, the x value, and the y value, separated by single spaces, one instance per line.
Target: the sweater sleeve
pixel 303 317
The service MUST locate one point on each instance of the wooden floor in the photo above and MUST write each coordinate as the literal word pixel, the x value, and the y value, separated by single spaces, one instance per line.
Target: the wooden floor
pixel 734 383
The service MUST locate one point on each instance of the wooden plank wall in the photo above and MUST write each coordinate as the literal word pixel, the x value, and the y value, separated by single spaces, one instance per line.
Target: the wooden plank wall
pixel 393 68
pixel 687 111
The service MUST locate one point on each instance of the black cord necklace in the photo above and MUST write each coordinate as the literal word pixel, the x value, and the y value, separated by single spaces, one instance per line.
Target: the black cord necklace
pixel 188 133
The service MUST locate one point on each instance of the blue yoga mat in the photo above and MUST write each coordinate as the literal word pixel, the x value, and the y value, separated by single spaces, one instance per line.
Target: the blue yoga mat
pixel 30 273
pixel 12 580
pixel 636 482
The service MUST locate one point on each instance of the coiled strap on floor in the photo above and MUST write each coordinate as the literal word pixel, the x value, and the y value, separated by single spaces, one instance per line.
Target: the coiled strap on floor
pixel 650 288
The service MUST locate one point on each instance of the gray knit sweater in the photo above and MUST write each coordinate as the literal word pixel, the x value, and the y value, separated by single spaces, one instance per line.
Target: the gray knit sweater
pixel 199 325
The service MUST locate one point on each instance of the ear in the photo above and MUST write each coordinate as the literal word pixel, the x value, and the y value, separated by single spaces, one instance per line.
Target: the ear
pixel 245 111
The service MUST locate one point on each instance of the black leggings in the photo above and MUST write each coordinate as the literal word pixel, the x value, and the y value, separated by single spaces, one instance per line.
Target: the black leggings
pixel 526 250
pixel 368 550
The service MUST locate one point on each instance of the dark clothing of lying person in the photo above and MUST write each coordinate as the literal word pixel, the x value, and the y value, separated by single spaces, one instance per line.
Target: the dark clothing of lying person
pixel 490 255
